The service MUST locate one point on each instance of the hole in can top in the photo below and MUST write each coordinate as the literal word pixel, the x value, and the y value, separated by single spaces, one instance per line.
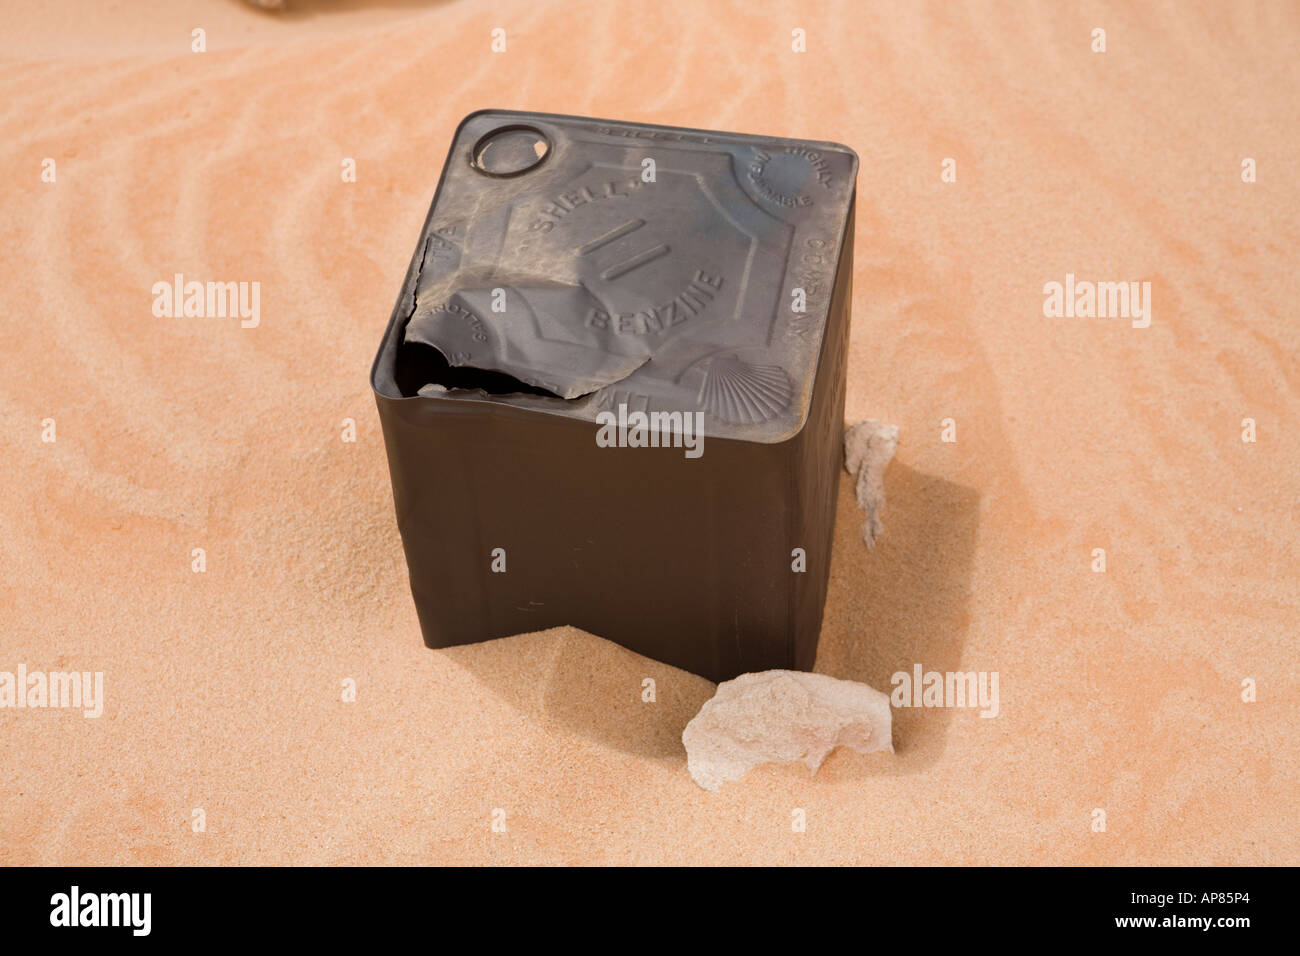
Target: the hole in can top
pixel 510 150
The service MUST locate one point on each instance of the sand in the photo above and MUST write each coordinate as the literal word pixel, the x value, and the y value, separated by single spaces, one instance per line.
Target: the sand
pixel 1119 691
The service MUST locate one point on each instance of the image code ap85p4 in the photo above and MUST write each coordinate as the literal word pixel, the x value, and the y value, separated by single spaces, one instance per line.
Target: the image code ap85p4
pixel 612 388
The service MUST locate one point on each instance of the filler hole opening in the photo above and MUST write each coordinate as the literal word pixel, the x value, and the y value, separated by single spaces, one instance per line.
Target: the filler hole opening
pixel 510 150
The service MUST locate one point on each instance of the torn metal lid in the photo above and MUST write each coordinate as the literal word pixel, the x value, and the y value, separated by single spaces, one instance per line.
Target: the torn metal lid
pixel 580 264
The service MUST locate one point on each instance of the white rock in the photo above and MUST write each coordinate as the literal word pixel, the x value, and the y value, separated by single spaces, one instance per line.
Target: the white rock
pixel 869 447
pixel 782 716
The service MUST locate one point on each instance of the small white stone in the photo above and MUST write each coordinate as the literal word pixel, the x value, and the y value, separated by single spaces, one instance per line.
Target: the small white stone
pixel 783 716
pixel 869 447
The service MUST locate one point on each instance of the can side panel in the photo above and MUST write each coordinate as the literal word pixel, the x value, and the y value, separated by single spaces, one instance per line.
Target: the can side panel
pixel 428 469
pixel 682 560
pixel 821 460
pixel 696 558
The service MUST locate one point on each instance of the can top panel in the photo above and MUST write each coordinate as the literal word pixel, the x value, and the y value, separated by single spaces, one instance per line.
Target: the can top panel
pixel 572 265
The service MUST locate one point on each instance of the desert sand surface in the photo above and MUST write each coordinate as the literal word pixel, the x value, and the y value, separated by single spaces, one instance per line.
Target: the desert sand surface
pixel 1120 691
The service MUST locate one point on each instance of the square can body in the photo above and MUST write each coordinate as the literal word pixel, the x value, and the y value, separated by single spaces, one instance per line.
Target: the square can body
pixel 721 289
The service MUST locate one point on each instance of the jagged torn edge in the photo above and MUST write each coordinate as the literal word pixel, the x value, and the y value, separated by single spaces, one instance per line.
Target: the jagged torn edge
pixel 554 372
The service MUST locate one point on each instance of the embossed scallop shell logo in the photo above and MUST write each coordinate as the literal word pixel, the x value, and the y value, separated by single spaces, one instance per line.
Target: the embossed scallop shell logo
pixel 745 394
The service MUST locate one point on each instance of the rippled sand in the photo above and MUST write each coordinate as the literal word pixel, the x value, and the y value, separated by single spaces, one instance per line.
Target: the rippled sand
pixel 1119 691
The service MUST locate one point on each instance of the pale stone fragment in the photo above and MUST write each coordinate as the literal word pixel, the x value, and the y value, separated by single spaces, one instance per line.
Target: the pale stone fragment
pixel 868 449
pixel 782 716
